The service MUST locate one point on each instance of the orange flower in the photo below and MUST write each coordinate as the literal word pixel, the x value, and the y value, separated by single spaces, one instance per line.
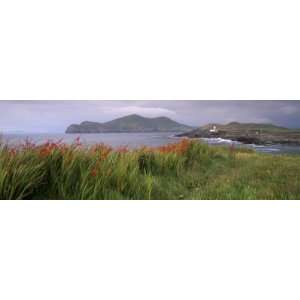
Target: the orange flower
pixel 12 152
pixel 122 149
pixel 179 148
pixel 103 150
pixel 45 151
pixel 94 173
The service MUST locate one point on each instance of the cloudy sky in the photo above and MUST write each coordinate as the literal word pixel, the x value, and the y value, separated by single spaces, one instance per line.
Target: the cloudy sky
pixel 55 116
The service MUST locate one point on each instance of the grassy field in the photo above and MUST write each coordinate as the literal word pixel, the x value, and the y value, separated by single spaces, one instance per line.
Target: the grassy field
pixel 186 170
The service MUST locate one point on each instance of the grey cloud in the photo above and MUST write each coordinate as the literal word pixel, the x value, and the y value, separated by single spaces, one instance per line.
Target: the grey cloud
pixel 55 116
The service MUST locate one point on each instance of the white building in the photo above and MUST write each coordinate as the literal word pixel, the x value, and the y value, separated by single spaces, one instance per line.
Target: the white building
pixel 214 129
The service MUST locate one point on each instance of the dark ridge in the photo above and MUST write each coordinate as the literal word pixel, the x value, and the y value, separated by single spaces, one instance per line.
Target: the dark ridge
pixel 131 123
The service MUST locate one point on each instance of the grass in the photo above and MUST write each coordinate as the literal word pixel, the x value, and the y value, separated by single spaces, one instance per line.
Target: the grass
pixel 186 170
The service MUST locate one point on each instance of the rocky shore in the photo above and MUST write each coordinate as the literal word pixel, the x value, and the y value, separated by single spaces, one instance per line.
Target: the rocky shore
pixel 247 133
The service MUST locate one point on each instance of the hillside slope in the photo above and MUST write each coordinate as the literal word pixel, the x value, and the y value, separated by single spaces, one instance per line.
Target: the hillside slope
pixel 131 123
pixel 248 133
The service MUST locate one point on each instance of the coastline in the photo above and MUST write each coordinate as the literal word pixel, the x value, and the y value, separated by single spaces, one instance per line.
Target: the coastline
pixel 135 140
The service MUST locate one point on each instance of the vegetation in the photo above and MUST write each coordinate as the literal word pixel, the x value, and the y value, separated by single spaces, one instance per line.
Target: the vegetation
pixel 247 133
pixel 234 126
pixel 186 170
pixel 131 123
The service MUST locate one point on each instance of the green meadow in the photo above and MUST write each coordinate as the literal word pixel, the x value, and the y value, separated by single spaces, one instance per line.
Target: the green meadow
pixel 186 170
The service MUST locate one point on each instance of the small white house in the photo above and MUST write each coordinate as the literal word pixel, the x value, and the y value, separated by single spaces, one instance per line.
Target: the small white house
pixel 214 129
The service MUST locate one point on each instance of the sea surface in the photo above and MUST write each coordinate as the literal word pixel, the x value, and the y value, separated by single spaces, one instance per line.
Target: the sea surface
pixel 134 140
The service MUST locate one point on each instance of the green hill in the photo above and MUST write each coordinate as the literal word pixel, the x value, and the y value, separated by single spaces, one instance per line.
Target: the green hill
pixel 248 133
pixel 236 126
pixel 131 123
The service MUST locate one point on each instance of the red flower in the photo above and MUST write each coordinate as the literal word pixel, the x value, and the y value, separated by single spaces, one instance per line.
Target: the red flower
pixel 122 149
pixel 179 148
pixel 94 173
pixel 45 151
pixel 12 152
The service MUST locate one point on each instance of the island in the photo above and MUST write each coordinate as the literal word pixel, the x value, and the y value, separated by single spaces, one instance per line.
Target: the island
pixel 131 123
pixel 247 133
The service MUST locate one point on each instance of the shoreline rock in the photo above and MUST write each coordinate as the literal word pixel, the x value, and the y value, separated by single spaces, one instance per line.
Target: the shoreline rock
pixel 259 134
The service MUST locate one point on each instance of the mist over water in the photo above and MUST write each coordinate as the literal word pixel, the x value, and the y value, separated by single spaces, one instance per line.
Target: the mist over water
pixel 135 140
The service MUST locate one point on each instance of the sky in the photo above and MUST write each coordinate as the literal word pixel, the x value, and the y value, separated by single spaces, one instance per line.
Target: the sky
pixel 56 116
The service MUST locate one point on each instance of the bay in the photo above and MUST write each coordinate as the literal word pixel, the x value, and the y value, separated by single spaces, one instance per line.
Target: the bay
pixel 134 140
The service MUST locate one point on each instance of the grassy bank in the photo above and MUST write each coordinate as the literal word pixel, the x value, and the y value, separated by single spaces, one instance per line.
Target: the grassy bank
pixel 186 170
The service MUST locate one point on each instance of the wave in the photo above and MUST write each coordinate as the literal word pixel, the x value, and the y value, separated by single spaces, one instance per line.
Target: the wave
pixel 219 141
pixel 173 136
pixel 271 150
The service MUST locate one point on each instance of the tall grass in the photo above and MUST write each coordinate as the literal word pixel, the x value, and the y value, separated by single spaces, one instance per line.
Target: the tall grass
pixel 185 170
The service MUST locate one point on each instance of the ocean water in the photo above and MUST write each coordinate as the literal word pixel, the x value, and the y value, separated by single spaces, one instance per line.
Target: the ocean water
pixel 133 140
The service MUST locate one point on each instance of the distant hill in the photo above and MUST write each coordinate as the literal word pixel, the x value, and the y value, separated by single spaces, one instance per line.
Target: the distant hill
pixel 233 126
pixel 249 133
pixel 131 123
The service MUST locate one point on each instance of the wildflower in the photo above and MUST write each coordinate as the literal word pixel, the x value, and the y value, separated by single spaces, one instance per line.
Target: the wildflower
pixel 94 172
pixel 45 151
pixel 122 149
pixel 12 152
pixel 63 148
pixel 179 148
pixel 103 150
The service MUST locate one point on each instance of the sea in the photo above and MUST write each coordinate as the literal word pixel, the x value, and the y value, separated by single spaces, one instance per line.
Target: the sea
pixel 135 140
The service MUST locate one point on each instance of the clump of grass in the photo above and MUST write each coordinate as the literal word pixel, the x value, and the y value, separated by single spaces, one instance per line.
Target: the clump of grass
pixel 183 170
pixel 20 174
